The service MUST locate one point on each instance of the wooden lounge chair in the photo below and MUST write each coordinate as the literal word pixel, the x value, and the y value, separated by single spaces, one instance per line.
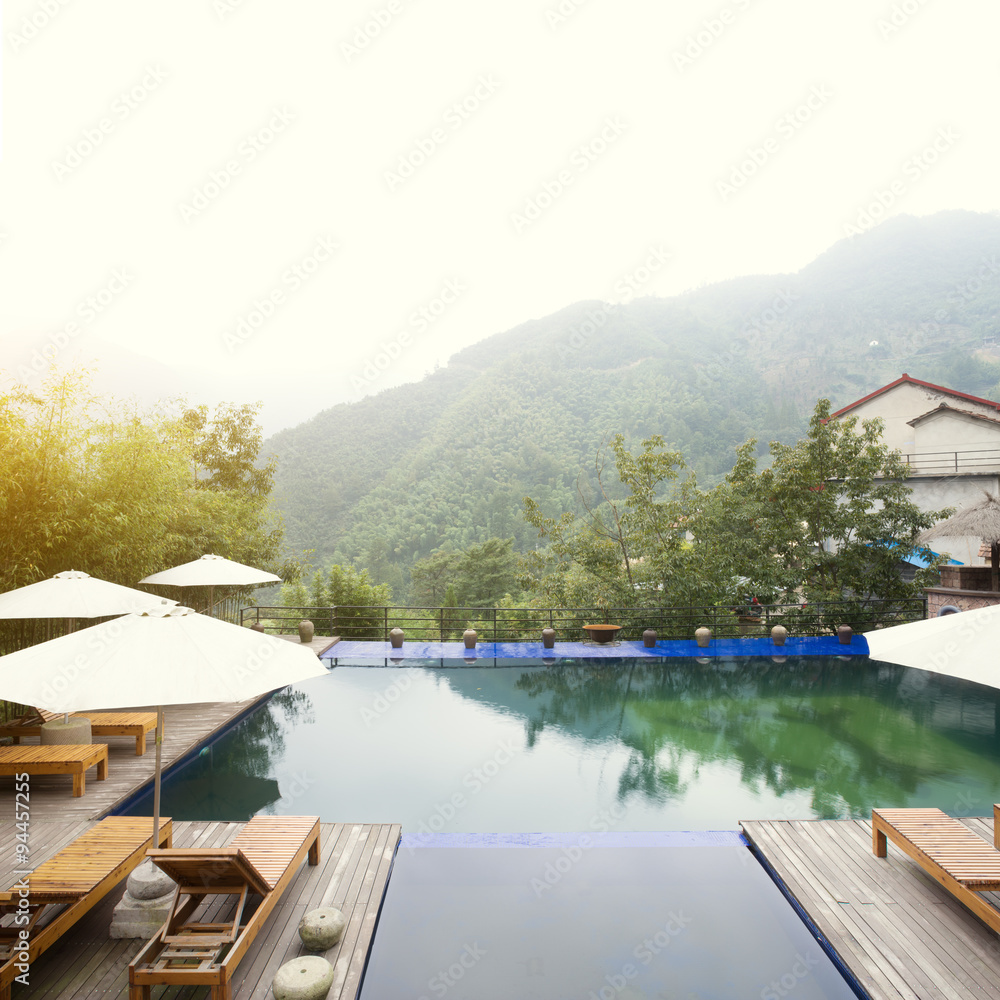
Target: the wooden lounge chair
pixel 77 877
pixel 137 724
pixel 947 850
pixel 263 859
pixel 69 758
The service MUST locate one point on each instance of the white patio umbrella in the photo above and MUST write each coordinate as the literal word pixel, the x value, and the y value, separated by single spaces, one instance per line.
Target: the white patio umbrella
pixel 211 571
pixel 76 595
pixel 168 656
pixel 960 645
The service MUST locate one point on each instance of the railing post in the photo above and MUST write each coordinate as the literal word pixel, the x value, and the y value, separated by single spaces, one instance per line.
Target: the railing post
pixel 441 624
pixel 385 624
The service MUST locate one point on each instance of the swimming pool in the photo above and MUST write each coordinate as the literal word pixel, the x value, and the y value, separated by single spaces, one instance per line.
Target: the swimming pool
pixel 601 745
pixel 612 917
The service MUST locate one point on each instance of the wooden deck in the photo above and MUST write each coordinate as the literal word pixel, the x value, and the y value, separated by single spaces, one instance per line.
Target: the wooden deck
pixel 319 644
pixel 900 933
pixel 185 727
pixel 355 860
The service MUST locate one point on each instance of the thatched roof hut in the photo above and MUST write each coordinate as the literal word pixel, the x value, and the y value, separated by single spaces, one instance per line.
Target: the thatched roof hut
pixel 981 520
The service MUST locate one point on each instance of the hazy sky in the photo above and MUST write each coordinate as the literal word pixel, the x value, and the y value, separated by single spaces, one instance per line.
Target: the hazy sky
pixel 319 200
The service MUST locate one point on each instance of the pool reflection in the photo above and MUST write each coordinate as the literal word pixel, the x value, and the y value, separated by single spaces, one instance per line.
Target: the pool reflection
pixel 628 744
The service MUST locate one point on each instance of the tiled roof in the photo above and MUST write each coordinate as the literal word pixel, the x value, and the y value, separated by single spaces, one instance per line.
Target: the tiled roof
pixel 915 381
pixel 953 409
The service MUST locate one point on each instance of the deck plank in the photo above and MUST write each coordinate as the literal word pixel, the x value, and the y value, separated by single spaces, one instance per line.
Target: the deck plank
pixel 87 965
pixel 899 932
pixel 185 728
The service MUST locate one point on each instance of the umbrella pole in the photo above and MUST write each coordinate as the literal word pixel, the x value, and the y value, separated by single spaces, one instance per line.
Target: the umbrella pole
pixel 156 779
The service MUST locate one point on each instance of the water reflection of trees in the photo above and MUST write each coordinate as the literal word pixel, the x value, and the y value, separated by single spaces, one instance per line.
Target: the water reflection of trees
pixel 256 743
pixel 849 733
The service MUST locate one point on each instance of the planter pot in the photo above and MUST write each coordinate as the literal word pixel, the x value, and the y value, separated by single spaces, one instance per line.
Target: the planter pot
pixel 469 638
pixel 779 634
pixel 548 638
pixel 649 638
pixel 602 633
pixel 306 630
pixel 703 636
pixel 396 638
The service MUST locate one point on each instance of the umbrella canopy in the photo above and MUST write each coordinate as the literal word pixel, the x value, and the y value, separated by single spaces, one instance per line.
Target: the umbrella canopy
pixel 210 571
pixel 963 645
pixel 76 595
pixel 169 656
pixel 981 520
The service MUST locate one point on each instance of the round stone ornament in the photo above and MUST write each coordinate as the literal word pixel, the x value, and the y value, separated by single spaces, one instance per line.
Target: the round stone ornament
pixel 307 977
pixel 321 928
pixel 146 881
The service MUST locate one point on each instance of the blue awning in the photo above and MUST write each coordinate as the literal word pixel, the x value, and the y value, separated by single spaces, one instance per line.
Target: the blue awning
pixel 915 558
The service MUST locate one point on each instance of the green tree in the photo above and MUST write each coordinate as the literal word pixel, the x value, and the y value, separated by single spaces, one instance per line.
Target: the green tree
pixel 119 493
pixel 349 593
pixel 229 512
pixel 629 549
pixel 829 518
pixel 487 572
pixel 39 478
pixel 431 577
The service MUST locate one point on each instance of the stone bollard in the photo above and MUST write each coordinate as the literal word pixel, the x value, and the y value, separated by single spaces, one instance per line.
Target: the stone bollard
pixel 844 633
pixel 59 733
pixel 548 638
pixel 307 977
pixel 469 638
pixel 145 905
pixel 779 634
pixel 321 928
pixel 396 638
pixel 306 630
pixel 649 638
pixel 703 635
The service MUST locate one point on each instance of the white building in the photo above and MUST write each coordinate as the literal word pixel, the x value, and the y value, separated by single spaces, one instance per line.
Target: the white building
pixel 951 441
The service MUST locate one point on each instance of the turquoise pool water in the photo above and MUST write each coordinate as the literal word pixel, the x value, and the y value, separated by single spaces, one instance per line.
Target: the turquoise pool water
pixel 609 745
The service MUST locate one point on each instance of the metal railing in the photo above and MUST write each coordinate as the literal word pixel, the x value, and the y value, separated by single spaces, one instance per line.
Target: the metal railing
pixel 445 624
pixel 946 463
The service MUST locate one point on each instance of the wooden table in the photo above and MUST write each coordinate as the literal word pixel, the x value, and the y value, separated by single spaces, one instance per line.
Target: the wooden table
pixel 71 758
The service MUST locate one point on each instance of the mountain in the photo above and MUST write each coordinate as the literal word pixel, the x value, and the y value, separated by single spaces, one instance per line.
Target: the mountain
pixel 446 461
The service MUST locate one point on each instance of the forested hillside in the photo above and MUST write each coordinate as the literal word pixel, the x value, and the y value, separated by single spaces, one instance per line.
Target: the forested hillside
pixel 445 462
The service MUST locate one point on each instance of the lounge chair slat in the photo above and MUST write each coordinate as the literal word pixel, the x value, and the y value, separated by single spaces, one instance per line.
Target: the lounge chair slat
pixel 947 850
pixel 112 848
pixel 263 858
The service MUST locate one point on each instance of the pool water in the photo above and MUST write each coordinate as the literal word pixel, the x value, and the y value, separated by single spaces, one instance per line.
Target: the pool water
pixel 608 745
pixel 612 917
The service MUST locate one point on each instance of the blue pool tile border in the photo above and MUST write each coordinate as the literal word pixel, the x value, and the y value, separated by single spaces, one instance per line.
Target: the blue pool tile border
pixel 666 838
pixel 355 649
